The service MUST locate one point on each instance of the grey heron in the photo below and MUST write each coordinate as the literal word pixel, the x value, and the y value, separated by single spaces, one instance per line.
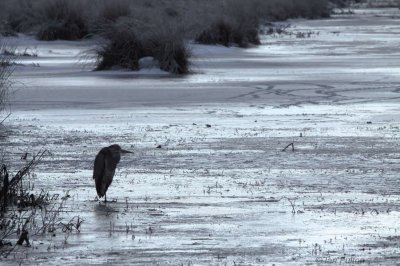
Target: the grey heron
pixel 104 167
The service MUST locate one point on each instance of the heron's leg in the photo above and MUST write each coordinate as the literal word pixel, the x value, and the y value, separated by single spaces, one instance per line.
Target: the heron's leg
pixel 105 197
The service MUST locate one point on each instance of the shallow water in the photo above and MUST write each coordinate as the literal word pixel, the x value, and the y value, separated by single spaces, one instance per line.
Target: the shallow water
pixel 223 194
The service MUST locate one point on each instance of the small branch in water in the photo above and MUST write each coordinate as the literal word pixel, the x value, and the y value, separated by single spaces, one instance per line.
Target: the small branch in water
pixel 291 144
pixel 1 123
pixel 292 203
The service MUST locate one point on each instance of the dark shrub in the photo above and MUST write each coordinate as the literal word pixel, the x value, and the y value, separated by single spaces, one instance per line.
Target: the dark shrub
pixel 340 3
pixel 20 15
pixel 62 20
pixel 172 54
pixel 170 12
pixel 112 10
pixel 61 31
pixel 218 33
pixel 319 9
pixel 73 19
pixel 226 34
pixel 279 10
pixel 246 36
pixel 124 49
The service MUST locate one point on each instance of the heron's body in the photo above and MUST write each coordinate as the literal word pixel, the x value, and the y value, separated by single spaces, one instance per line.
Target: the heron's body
pixel 104 168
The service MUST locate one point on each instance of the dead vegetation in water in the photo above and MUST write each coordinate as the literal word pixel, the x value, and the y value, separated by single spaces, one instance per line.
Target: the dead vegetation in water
pixel 289 145
pixel 280 30
pixel 26 213
pixel 12 52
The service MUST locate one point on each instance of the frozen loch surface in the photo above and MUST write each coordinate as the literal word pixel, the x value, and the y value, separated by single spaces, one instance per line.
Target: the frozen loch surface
pixel 225 194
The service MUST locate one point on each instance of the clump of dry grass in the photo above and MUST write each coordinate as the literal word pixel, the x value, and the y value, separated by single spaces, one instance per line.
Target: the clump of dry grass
pixel 124 48
pixel 219 32
pixel 227 34
pixel 170 50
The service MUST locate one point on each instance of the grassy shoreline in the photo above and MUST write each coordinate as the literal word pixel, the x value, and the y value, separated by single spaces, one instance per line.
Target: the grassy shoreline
pixel 160 27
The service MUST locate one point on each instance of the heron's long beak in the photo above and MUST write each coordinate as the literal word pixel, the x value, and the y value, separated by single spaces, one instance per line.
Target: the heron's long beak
pixel 125 151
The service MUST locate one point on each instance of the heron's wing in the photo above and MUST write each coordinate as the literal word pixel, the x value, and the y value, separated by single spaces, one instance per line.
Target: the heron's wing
pixel 98 171
pixel 99 164
pixel 109 170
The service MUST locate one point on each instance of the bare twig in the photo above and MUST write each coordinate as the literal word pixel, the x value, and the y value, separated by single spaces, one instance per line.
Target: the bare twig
pixel 21 173
pixel 75 222
pixel 291 144
pixel 292 203
pixel 5 118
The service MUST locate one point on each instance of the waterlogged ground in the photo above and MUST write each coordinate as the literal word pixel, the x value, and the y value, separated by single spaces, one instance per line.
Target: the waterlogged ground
pixel 226 193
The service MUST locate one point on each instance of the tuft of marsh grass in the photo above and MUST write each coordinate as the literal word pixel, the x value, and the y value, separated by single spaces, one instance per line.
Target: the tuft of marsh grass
pixel 170 50
pixel 124 48
pixel 228 34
